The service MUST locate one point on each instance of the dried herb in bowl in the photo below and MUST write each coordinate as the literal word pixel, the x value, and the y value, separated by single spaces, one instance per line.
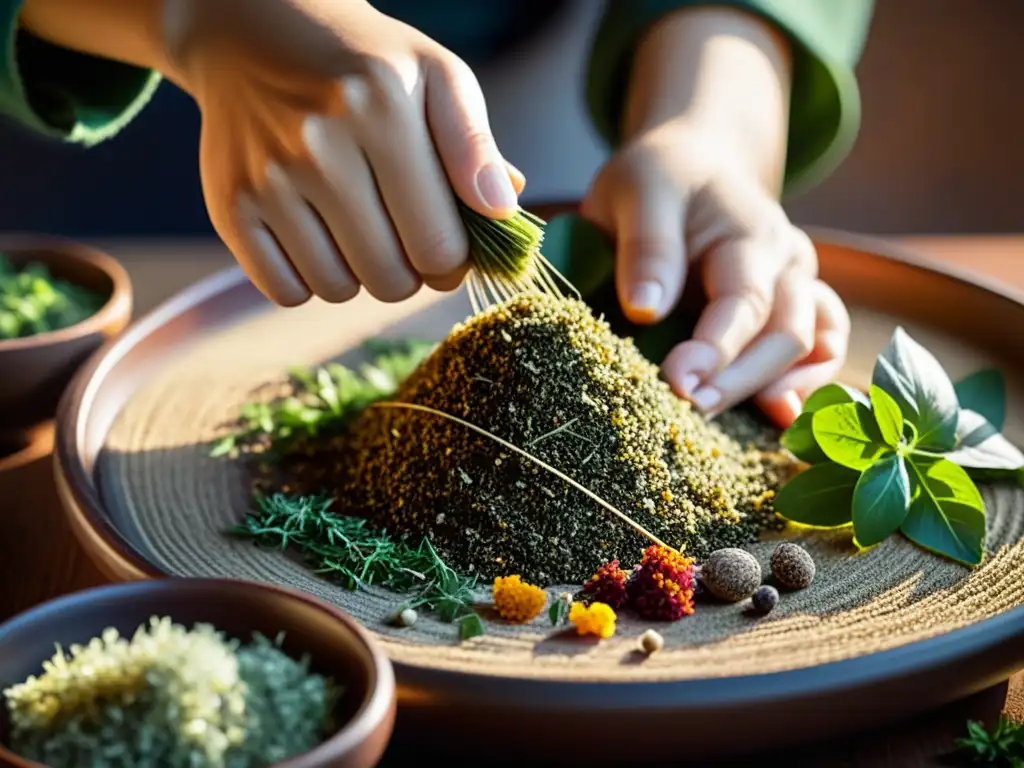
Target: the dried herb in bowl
pixel 170 697
pixel 32 301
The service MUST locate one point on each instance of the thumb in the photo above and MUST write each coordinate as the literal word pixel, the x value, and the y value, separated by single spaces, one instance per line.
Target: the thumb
pixel 457 116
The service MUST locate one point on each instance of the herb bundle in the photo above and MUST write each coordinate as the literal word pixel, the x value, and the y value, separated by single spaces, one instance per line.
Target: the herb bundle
pixel 348 551
pixel 33 302
pixel 901 458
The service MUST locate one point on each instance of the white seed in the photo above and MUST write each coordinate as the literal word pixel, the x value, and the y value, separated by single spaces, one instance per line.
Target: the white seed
pixel 651 641
pixel 407 617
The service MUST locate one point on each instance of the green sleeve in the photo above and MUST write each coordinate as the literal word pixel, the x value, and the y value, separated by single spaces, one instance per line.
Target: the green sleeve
pixel 62 93
pixel 827 38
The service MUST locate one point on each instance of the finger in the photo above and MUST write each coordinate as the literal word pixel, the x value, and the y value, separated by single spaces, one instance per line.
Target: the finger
pixel 739 278
pixel 305 240
pixel 388 126
pixel 651 261
pixel 783 400
pixel 457 115
pixel 339 184
pixel 259 255
pixel 787 338
pixel 446 283
pixel 517 178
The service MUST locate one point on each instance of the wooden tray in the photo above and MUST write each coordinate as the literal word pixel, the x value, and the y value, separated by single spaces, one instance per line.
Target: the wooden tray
pixel 641 712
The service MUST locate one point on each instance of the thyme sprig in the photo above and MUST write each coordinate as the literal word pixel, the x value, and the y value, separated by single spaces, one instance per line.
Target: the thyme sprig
pixel 347 551
pixel 324 399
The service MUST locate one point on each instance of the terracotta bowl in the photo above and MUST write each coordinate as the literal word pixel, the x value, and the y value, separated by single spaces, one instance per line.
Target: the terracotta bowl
pixel 335 644
pixel 36 369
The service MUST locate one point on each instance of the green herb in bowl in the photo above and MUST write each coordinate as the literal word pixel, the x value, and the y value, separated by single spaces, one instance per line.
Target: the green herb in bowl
pixel 32 301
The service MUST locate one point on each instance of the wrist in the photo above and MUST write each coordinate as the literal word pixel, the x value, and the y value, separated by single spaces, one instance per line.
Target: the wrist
pixel 129 31
pixel 717 72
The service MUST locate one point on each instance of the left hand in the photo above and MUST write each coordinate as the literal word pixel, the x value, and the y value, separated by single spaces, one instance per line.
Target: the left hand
pixel 675 198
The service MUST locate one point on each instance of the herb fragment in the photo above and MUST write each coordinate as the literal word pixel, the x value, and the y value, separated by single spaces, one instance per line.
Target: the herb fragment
pixel 1002 746
pixel 901 459
pixel 324 400
pixel 558 612
pixel 346 550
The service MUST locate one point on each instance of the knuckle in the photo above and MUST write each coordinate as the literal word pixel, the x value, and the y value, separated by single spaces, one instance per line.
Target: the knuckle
pixel 440 252
pixel 759 301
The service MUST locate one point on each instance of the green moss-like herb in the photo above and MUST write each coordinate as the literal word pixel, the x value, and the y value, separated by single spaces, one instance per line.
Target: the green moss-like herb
pixel 32 301
pixel 1002 746
pixel 170 698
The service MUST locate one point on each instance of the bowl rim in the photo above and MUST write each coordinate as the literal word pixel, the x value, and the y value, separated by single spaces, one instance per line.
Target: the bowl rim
pixel 879 671
pixel 373 710
pixel 116 305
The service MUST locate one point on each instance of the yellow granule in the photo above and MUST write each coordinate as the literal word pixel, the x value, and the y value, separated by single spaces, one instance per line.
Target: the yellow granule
pixel 517 601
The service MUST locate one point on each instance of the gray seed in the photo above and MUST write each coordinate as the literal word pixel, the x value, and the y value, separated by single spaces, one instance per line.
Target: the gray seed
pixel 792 566
pixel 731 574
pixel 407 618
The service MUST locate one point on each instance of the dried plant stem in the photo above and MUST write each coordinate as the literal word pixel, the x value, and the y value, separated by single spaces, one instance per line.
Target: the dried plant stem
pixel 539 462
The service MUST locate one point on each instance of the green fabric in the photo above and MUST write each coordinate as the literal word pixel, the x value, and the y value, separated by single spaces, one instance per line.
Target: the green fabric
pixel 62 93
pixel 827 38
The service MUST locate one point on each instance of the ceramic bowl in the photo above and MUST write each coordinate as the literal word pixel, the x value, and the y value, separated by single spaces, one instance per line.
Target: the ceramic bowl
pixel 36 369
pixel 334 643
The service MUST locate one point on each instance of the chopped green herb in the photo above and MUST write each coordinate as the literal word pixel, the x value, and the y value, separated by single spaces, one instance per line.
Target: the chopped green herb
pixel 32 301
pixel 1002 746
pixel 324 400
pixel 346 550
pixel 558 613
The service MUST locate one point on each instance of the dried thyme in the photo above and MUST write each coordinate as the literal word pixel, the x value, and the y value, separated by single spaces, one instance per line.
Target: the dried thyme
pixel 348 551
pixel 543 373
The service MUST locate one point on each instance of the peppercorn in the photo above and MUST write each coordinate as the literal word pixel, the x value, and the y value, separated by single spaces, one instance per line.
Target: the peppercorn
pixel 765 599
pixel 792 566
pixel 731 574
pixel 651 642
pixel 407 618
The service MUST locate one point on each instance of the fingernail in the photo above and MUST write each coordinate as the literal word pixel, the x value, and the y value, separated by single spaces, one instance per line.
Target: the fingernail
pixel 646 298
pixel 495 187
pixel 690 383
pixel 706 398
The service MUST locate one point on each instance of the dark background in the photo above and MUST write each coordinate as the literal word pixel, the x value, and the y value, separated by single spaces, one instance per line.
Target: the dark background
pixel 941 149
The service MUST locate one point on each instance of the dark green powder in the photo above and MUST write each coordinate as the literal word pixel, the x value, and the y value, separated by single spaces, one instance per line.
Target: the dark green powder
pixel 548 377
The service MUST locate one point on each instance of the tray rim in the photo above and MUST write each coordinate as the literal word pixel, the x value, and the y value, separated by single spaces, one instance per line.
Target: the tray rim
pixel 987 645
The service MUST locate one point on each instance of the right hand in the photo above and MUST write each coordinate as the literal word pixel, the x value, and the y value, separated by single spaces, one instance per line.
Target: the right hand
pixel 333 137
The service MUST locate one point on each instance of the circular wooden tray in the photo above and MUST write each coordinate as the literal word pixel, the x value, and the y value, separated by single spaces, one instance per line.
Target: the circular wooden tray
pixel 131 462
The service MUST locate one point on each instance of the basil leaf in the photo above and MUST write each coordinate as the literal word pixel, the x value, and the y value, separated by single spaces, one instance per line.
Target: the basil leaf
pixel 833 394
pixel 913 377
pixel 947 514
pixel 848 435
pixel 984 392
pixel 470 626
pixel 799 440
pixel 980 446
pixel 881 500
pixel 819 496
pixel 888 416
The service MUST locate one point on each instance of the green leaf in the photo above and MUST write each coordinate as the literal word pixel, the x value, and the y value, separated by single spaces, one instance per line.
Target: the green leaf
pixel 470 626
pixel 819 496
pixel 985 393
pixel 980 446
pixel 833 394
pixel 799 440
pixel 888 416
pixel 881 500
pixel 558 613
pixel 947 513
pixel 848 435
pixel 915 379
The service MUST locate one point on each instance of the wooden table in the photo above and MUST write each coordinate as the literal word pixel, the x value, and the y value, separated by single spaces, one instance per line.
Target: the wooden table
pixel 39 559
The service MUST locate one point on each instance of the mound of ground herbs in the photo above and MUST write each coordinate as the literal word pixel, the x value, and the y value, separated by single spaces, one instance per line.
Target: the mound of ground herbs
pixel 547 376
pixel 32 301
pixel 170 697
